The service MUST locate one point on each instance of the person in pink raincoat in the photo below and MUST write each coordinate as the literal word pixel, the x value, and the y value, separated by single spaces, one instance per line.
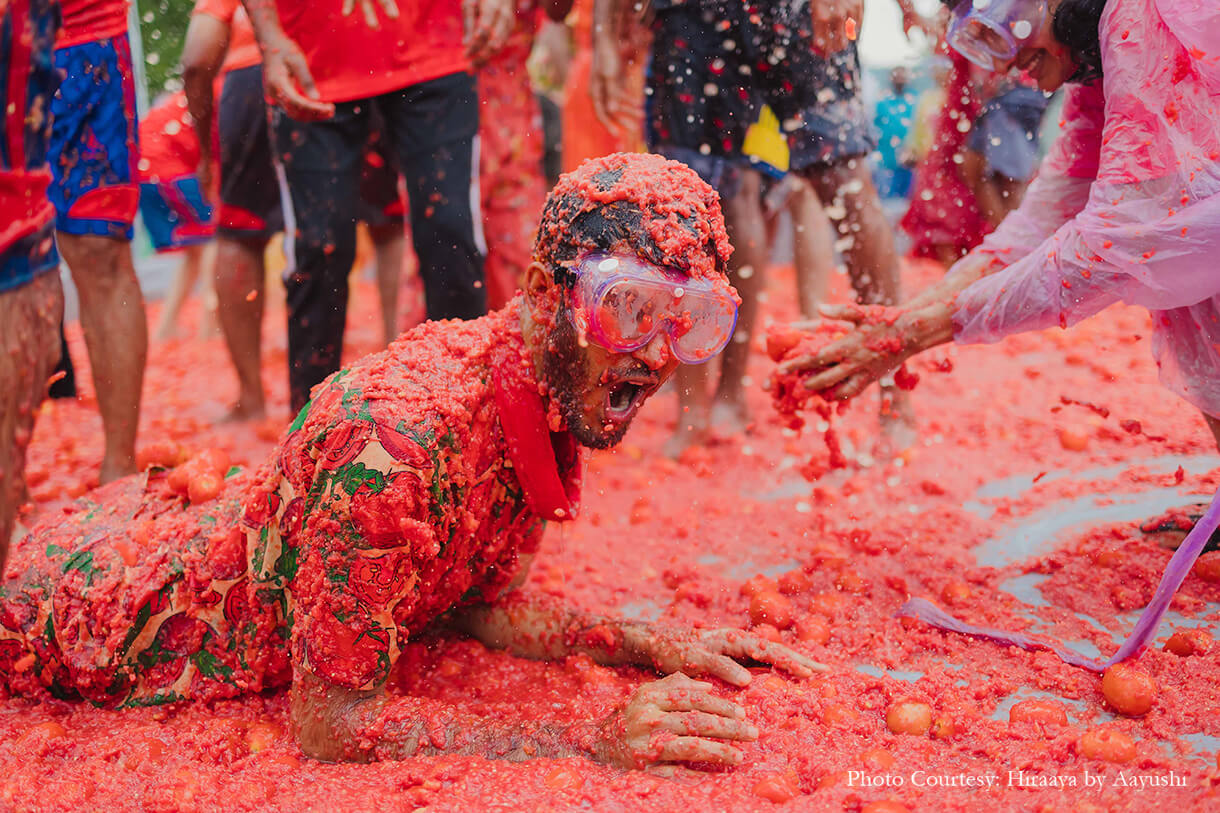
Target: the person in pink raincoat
pixel 1125 208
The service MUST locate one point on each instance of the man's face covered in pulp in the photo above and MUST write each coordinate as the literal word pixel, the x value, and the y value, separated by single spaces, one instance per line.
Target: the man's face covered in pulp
pixel 599 392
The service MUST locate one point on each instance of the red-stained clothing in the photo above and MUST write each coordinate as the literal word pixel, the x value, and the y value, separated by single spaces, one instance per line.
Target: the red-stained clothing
pixel 511 187
pixel 944 211
pixel 411 483
pixel 27 244
pixel 169 147
pixel 399 494
pixel 243 47
pixel 1126 206
pixel 91 20
pixel 584 136
pixel 349 60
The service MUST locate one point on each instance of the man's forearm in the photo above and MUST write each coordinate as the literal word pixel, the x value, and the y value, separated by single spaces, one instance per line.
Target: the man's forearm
pixel 405 728
pixel 537 628
pixel 606 17
pixel 201 102
pixel 264 19
pixel 341 725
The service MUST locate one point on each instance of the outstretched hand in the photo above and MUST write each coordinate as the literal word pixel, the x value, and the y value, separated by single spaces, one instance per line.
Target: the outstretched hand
pixel 289 84
pixel 675 719
pixel 874 347
pixel 487 24
pixel 715 653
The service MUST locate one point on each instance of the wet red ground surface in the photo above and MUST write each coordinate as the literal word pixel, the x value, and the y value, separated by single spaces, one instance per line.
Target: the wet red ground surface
pixel 1013 510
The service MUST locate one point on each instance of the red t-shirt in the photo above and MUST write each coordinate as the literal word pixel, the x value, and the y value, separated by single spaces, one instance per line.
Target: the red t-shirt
pixel 243 47
pixel 91 20
pixel 169 147
pixel 349 60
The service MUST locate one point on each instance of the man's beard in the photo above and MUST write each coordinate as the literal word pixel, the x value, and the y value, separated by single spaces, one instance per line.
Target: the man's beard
pixel 565 371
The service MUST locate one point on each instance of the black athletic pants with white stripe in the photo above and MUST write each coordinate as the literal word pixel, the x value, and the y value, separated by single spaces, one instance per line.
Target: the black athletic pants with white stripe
pixel 432 133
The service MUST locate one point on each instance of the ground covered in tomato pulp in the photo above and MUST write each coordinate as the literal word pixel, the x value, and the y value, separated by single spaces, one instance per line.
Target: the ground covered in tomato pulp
pixel 1018 508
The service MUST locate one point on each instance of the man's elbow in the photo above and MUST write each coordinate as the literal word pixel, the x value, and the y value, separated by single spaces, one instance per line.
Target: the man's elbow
pixel 196 74
pixel 326 720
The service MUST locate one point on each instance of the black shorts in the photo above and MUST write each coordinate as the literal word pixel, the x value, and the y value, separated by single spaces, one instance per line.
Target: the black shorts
pixel 1007 132
pixel 249 189
pixel 713 68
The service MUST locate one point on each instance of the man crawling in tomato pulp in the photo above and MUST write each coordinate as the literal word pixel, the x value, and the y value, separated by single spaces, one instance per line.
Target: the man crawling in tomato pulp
pixel 413 490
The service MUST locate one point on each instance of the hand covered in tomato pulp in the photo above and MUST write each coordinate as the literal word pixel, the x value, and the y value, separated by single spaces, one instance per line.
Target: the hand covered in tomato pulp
pixel 838 362
pixel 714 653
pixel 674 719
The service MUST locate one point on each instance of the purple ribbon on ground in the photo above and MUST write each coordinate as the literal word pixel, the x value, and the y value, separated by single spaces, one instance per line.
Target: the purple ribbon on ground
pixel 1137 641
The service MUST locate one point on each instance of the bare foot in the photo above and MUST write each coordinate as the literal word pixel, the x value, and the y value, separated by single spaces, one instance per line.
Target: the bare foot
pixel 899 430
pixel 115 469
pixel 730 417
pixel 245 410
pixel 688 433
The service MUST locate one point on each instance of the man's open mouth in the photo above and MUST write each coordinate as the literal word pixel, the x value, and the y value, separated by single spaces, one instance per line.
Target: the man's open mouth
pixel 626 396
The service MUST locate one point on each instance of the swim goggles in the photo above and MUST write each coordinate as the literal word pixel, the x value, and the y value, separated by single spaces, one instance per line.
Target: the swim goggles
pixel 621 303
pixel 990 32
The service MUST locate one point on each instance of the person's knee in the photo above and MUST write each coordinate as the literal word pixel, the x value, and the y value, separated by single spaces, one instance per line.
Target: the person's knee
pixel 97 262
pixel 239 262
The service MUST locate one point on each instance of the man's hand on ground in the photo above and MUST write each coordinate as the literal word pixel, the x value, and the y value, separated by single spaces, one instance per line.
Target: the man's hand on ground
pixel 369 9
pixel 284 71
pixel 714 652
pixel 674 719
pixel 488 24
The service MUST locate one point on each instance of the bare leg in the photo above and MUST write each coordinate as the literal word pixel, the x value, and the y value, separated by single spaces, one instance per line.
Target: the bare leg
pixel 751 255
pixel 947 255
pixel 1011 192
pixel 240 291
pixel 179 289
pixel 847 190
pixel 813 247
pixel 747 230
pixel 29 350
pixel 209 325
pixel 388 242
pixel 1214 425
pixel 694 405
pixel 983 183
pixel 116 335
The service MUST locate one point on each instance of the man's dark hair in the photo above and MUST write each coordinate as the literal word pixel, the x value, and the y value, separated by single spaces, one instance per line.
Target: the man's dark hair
pixel 599 230
pixel 633 198
pixel 1076 24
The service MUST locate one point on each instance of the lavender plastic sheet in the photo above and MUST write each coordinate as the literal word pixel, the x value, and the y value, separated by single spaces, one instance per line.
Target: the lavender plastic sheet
pixel 1145 628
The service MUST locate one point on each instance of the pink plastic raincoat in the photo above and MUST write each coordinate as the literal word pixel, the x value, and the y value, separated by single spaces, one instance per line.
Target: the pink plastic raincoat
pixel 1126 207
